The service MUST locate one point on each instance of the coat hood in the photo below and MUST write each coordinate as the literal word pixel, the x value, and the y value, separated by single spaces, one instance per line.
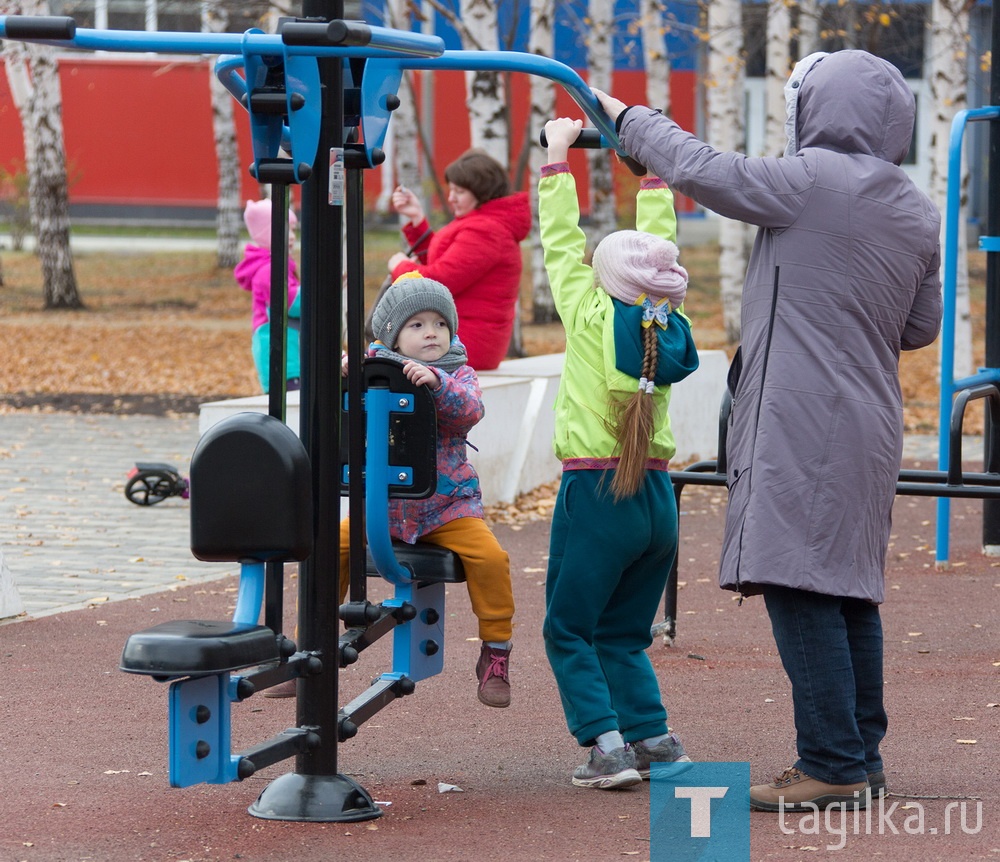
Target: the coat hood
pixel 850 102
pixel 512 211
pixel 254 257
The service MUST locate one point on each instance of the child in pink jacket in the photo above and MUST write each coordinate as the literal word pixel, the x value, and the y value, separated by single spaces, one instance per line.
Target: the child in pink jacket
pixel 253 273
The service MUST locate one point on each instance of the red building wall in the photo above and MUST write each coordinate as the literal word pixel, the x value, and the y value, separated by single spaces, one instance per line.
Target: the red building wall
pixel 138 130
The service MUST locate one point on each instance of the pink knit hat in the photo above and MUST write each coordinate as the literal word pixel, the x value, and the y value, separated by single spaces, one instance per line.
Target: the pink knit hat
pixel 257 215
pixel 629 263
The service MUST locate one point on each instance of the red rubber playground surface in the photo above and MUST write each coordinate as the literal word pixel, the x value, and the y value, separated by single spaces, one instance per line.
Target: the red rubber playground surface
pixel 83 747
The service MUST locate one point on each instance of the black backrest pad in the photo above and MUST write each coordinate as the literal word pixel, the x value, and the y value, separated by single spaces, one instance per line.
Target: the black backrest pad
pixel 412 436
pixel 251 493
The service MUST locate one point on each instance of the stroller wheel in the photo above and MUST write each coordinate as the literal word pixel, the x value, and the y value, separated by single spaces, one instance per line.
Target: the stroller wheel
pixel 146 488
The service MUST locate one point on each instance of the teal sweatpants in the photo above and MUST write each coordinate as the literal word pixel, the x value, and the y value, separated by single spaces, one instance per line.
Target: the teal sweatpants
pixel 608 567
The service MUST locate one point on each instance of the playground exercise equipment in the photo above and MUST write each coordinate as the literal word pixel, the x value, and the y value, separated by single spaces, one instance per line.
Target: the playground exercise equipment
pixel 984 383
pixel 319 94
pixel 152 482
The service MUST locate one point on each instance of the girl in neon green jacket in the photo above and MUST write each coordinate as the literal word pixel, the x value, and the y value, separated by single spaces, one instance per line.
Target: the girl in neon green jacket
pixel 614 529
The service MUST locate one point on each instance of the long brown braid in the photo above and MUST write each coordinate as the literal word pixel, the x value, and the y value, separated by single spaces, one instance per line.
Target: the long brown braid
pixel 633 425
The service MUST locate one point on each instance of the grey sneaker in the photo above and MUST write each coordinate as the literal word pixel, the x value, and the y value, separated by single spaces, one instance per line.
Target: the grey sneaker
pixel 608 771
pixel 668 750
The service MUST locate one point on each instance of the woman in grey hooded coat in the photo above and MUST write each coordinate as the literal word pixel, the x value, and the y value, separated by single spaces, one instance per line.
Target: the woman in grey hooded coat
pixel 843 275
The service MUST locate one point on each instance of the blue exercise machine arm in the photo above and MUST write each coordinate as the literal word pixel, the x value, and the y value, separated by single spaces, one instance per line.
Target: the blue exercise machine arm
pixel 314 39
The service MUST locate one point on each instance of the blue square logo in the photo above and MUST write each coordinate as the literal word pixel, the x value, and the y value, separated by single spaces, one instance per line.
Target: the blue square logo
pixel 699 812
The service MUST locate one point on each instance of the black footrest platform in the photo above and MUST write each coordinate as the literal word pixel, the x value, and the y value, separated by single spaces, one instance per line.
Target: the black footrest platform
pixel 198 648
pixel 430 564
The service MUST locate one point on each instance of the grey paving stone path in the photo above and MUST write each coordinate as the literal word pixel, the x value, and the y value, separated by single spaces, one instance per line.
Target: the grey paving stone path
pixel 69 535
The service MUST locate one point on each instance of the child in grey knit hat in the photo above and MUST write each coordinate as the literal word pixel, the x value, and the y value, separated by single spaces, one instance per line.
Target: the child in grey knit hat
pixel 415 322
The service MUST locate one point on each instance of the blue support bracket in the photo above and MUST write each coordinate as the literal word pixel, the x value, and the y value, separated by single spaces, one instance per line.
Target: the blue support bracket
pixel 303 104
pixel 418 644
pixel 379 89
pixel 199 731
pixel 379 403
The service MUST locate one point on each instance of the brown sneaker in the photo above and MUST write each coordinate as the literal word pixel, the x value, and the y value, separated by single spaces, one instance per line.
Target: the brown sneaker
pixel 282 689
pixel 877 783
pixel 492 670
pixel 795 791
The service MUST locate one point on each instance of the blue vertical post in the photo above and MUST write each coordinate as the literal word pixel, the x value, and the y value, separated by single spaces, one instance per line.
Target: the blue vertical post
pixel 991 508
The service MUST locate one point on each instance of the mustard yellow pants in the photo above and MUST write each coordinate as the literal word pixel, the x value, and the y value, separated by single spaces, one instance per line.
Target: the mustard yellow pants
pixel 487 571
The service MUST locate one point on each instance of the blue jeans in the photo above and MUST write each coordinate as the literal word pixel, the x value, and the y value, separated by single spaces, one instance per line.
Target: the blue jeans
pixel 831 649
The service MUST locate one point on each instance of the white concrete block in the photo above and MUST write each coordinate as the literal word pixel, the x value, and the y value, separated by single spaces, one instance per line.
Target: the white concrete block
pixel 215 411
pixel 513 443
pixel 694 408
pixel 10 600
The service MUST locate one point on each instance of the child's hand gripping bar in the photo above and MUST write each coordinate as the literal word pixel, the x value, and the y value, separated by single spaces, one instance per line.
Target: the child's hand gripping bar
pixel 592 139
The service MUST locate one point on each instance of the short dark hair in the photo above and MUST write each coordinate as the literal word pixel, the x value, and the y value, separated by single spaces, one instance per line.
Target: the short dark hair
pixel 477 171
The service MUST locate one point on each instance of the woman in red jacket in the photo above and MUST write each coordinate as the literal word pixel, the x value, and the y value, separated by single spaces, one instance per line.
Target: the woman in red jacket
pixel 477 255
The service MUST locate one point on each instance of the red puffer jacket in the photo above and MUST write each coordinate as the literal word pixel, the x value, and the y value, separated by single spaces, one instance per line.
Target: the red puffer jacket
pixel 478 258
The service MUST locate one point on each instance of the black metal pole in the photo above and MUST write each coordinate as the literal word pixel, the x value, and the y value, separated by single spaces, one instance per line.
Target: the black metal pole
pixel 322 225
pixel 315 791
pixel 277 384
pixel 991 508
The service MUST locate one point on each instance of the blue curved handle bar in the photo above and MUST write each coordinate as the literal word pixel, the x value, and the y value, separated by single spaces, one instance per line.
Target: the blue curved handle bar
pixel 384 42
pixel 409 50
pixel 530 64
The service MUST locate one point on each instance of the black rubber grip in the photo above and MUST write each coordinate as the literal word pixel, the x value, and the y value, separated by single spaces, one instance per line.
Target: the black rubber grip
pixel 590 139
pixel 343 33
pixel 39 27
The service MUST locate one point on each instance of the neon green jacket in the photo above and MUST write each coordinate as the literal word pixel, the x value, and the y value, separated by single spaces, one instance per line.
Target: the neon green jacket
pixel 590 378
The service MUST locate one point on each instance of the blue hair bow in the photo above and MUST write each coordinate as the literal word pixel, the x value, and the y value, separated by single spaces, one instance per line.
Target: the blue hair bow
pixel 658 312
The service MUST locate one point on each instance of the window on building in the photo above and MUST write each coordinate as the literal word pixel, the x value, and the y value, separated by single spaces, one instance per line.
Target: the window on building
pixel 894 31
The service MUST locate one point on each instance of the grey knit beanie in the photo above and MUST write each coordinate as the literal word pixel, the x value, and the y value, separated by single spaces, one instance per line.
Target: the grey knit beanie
pixel 408 295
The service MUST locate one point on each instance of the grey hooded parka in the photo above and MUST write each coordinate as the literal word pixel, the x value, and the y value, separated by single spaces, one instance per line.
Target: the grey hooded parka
pixel 842 276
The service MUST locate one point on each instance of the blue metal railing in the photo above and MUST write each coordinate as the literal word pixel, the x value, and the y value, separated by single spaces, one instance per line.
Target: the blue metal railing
pixel 949 385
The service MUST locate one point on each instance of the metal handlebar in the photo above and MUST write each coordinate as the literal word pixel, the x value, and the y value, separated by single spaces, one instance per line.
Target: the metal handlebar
pixel 592 139
pixel 30 27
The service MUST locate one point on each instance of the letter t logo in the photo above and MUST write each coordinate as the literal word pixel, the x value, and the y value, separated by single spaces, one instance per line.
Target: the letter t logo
pixel 701 807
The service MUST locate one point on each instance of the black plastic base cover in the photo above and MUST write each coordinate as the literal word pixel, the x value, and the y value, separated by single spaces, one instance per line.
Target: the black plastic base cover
pixel 198 648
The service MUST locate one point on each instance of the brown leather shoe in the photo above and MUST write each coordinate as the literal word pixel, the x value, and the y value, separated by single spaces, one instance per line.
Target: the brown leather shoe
pixel 282 689
pixel 877 783
pixel 795 791
pixel 492 671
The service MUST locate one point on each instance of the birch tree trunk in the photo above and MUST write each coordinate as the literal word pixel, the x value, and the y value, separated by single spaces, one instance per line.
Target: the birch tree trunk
pixel 485 90
pixel 228 218
pixel 45 154
pixel 603 214
pixel 543 107
pixel 808 27
pixel 778 54
pixel 948 77
pixel 656 61
pixel 725 132
pixel 405 148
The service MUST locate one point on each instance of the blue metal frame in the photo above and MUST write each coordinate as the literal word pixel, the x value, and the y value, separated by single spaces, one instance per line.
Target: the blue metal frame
pixel 379 405
pixel 949 385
